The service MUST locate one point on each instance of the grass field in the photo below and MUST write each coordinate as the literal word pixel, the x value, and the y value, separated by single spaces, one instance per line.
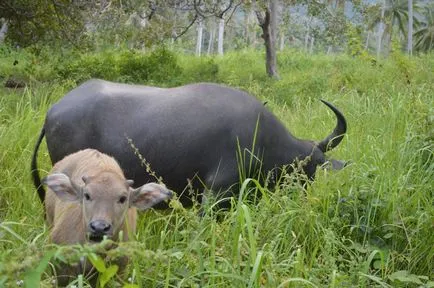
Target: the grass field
pixel 368 225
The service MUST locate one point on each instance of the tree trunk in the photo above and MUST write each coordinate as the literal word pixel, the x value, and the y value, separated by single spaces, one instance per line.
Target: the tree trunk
pixel 211 39
pixel 246 27
pixel 367 40
pixel 380 30
pixel 221 34
pixel 117 42
pixel 268 25
pixel 312 40
pixel 282 40
pixel 252 30
pixel 306 37
pixel 174 25
pixel 3 30
pixel 410 28
pixel 199 38
pixel 390 36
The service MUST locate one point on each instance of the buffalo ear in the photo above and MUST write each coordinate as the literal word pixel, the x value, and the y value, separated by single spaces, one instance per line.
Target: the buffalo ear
pixel 333 164
pixel 63 187
pixel 148 195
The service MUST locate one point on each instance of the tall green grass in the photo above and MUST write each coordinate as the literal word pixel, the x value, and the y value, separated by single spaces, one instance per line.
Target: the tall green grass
pixel 368 225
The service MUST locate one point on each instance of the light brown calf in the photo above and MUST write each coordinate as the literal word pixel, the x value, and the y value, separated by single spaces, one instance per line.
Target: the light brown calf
pixel 89 198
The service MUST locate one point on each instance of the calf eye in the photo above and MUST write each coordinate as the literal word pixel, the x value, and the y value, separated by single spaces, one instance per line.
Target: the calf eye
pixel 87 196
pixel 122 199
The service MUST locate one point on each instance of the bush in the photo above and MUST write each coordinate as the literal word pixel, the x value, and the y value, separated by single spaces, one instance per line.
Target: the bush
pixel 101 65
pixel 161 65
pixel 199 69
pixel 125 66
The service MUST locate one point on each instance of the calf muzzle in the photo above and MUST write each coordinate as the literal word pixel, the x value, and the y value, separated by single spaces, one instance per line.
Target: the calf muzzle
pixel 98 229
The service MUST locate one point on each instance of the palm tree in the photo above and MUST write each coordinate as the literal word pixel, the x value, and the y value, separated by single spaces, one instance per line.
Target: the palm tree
pixel 395 14
pixel 410 28
pixel 425 35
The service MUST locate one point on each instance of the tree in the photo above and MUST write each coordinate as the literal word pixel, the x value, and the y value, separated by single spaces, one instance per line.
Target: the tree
pixel 425 34
pixel 267 18
pixel 221 36
pixel 410 28
pixel 30 21
pixel 219 9
pixel 335 26
pixel 211 38
pixel 199 37
pixel 391 14
pixel 380 29
pixel 3 30
pixel 251 26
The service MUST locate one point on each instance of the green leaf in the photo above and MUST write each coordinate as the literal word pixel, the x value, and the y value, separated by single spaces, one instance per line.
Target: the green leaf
pixel 107 275
pixel 97 262
pixel 178 255
pixel 130 286
pixel 256 272
pixel 405 276
pixel 33 277
pixel 377 264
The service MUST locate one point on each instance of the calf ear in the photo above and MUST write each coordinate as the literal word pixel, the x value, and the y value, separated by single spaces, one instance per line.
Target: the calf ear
pixel 60 184
pixel 148 195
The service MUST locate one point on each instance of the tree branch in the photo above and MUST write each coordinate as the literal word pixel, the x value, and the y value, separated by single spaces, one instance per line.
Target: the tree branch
pixel 197 9
pixel 222 13
pixel 186 28
pixel 233 11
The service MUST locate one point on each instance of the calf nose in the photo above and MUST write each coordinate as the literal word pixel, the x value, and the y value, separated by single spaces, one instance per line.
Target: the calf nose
pixel 99 227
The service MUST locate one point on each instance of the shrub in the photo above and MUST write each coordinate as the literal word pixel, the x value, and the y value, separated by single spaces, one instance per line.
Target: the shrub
pixel 101 65
pixel 199 69
pixel 125 66
pixel 159 66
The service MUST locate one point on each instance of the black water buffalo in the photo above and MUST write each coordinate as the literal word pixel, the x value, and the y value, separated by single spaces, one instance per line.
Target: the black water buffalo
pixel 187 134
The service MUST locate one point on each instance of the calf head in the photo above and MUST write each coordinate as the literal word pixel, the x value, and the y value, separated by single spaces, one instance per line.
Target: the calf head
pixel 105 199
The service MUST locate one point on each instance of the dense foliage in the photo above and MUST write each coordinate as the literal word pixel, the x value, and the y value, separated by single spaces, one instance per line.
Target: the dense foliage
pixel 304 24
pixel 369 225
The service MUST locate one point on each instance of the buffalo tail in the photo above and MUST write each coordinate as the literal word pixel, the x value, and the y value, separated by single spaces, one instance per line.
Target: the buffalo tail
pixel 34 168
